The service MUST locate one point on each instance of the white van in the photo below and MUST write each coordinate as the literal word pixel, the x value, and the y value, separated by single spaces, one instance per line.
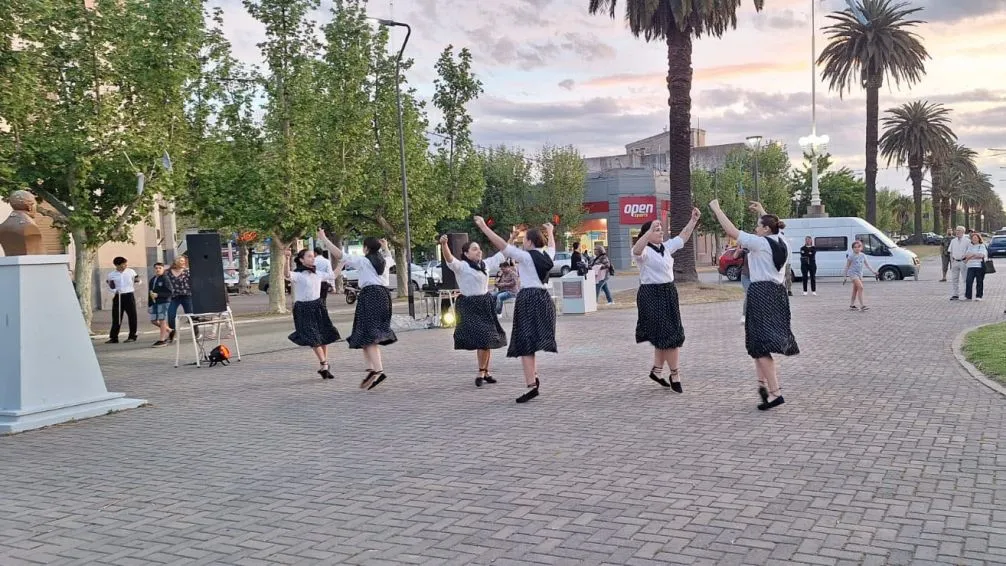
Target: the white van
pixel 833 238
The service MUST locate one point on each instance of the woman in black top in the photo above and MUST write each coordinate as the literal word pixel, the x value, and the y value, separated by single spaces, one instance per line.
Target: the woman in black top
pixel 808 265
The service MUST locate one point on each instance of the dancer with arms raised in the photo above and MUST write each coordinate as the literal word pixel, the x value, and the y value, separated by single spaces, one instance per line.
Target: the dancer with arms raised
pixel 372 320
pixel 659 317
pixel 478 326
pixel 767 315
pixel 534 312
pixel 311 323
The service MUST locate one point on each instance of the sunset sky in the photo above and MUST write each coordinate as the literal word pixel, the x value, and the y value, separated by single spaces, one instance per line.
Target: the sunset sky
pixel 553 73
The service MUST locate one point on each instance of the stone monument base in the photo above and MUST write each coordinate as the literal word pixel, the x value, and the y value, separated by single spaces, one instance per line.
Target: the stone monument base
pixel 815 211
pixel 49 373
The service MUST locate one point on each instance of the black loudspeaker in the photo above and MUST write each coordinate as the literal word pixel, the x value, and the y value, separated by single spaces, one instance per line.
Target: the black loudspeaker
pixel 454 242
pixel 209 293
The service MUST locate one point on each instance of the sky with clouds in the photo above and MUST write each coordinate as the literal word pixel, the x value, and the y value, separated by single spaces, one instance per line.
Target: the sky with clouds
pixel 552 73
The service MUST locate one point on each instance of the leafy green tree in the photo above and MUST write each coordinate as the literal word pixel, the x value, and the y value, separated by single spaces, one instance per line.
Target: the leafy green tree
pixel 912 133
pixel 842 193
pixel 290 161
pixel 864 54
pixel 563 177
pixel 676 22
pixel 94 99
pixel 886 220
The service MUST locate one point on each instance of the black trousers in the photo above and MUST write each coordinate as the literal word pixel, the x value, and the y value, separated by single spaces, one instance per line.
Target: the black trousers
pixel 809 271
pixel 976 277
pixel 123 304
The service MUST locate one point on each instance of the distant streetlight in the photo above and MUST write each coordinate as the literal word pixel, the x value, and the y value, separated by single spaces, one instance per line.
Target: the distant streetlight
pixel 797 197
pixel 401 151
pixel 754 142
pixel 814 143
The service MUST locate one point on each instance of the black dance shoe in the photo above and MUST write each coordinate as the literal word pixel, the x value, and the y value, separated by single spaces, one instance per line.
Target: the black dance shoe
pixel 763 393
pixel 489 379
pixel 653 375
pixel 531 393
pixel 770 404
pixel 377 381
pixel 371 374
pixel 675 385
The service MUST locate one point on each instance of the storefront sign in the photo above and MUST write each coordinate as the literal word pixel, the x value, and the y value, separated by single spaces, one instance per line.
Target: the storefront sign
pixel 637 210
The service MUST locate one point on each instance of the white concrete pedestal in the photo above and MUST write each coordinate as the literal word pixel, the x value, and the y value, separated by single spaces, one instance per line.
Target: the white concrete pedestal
pixel 49 373
pixel 579 293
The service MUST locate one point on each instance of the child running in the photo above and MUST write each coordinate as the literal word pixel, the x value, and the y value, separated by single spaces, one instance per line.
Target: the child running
pixel 534 312
pixel 854 270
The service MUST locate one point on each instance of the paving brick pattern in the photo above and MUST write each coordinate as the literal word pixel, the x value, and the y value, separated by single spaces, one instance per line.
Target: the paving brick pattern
pixel 886 452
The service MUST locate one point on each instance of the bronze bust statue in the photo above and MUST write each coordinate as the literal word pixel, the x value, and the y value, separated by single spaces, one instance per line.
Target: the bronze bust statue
pixel 19 235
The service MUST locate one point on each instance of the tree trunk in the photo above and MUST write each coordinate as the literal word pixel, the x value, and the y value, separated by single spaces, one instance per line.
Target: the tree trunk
pixel 83 274
pixel 243 287
pixel 967 216
pixel 679 102
pixel 915 173
pixel 872 136
pixel 277 281
pixel 937 192
pixel 952 223
pixel 404 275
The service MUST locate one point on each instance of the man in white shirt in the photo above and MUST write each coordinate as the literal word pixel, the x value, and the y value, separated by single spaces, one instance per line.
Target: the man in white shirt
pixel 323 267
pixel 123 283
pixel 957 248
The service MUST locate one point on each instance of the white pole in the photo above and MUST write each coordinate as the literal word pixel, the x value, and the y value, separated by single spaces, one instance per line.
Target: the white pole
pixel 815 195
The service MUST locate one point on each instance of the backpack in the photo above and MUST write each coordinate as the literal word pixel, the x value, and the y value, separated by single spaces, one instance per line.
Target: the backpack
pixel 220 355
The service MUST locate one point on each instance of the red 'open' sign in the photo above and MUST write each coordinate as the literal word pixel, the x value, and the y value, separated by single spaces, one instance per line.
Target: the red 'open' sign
pixel 637 210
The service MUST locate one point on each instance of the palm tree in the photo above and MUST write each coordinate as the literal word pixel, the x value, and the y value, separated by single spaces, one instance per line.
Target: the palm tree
pixel 902 207
pixel 915 132
pixel 950 173
pixel 865 54
pixel 677 22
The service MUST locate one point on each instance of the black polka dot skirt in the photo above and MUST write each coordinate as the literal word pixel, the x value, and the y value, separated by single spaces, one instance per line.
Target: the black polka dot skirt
pixel 659 318
pixel 372 321
pixel 478 326
pixel 767 321
pixel 533 324
pixel 311 324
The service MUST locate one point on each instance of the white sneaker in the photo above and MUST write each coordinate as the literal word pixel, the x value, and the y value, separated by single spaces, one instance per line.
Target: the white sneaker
pixel 805 293
pixel 814 293
pixel 978 299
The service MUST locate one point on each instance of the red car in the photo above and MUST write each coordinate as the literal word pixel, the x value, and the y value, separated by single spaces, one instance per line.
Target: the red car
pixel 729 266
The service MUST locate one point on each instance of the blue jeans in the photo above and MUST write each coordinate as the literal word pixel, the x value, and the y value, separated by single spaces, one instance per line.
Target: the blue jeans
pixel 184 301
pixel 500 297
pixel 603 286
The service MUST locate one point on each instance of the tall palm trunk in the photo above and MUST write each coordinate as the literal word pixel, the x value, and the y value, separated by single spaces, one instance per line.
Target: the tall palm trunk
pixel 967 216
pixel 952 223
pixel 872 144
pixel 937 191
pixel 679 91
pixel 915 172
pixel 937 206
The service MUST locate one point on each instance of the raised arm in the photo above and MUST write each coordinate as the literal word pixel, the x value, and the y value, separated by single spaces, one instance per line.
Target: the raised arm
pixel 287 259
pixel 724 221
pixel 446 250
pixel 757 208
pixel 550 235
pixel 494 238
pixel 686 232
pixel 739 251
pixel 333 249
pixel 640 245
pixel 514 232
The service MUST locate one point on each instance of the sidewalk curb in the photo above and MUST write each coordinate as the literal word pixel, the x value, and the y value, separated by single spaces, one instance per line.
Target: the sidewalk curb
pixel 958 350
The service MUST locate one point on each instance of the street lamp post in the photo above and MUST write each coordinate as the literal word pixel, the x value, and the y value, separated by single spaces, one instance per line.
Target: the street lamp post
pixel 797 197
pixel 401 150
pixel 754 142
pixel 813 143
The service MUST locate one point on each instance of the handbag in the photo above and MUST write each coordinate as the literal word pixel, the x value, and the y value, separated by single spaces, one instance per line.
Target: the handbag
pixel 989 266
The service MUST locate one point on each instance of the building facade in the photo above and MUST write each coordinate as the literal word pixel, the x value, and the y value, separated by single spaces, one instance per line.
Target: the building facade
pixel 625 191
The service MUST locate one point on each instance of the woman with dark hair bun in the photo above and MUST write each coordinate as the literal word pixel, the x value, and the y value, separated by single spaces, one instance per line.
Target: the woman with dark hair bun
pixel 312 325
pixel 372 320
pixel 659 318
pixel 767 315
pixel 478 327
pixel 534 312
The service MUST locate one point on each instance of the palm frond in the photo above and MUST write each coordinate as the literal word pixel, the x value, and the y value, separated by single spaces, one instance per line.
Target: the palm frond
pixel 655 19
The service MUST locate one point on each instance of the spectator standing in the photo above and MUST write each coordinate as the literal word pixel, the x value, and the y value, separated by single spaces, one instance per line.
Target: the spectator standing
pixel 576 262
pixel 974 257
pixel 808 265
pixel 742 253
pixel 160 296
pixel 958 247
pixel 945 255
pixel 122 281
pixel 323 267
pixel 181 293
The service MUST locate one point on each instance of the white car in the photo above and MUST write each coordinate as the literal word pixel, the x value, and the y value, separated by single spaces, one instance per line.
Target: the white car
pixel 419 276
pixel 560 264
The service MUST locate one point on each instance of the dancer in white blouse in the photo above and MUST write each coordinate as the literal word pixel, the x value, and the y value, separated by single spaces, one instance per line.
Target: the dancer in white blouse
pixel 478 327
pixel 372 320
pixel 312 325
pixel 659 317
pixel 767 316
pixel 534 312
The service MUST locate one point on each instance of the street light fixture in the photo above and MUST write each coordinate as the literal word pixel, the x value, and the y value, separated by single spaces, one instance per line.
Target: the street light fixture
pixel 401 150
pixel 814 144
pixel 754 142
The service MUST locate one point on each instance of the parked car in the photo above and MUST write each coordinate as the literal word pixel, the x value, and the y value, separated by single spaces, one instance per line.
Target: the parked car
pixel 560 264
pixel 729 266
pixel 928 239
pixel 419 276
pixel 997 246
pixel 833 238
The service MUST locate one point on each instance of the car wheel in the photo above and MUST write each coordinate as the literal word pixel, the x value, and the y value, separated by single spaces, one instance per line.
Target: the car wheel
pixel 889 274
pixel 264 287
pixel 734 273
pixel 350 298
pixel 415 287
pixel 563 271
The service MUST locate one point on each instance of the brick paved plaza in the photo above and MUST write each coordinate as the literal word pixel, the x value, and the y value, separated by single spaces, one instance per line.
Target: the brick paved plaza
pixel 886 452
